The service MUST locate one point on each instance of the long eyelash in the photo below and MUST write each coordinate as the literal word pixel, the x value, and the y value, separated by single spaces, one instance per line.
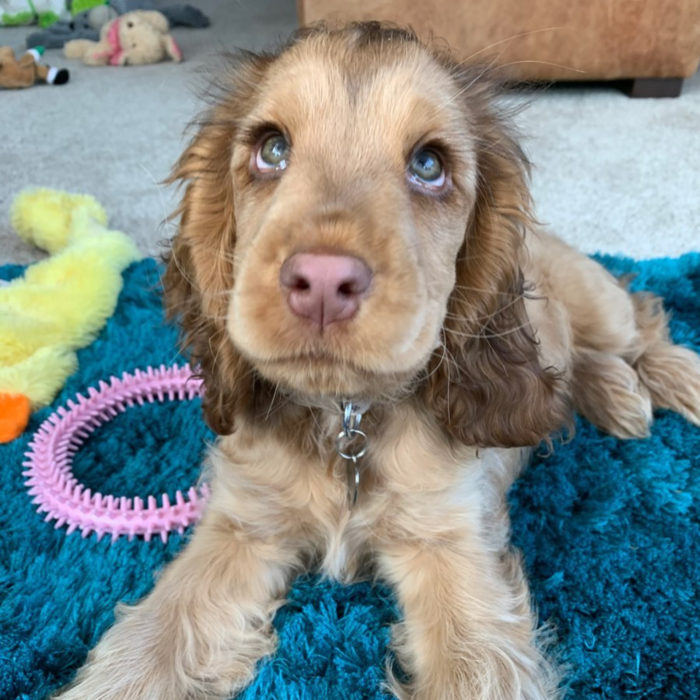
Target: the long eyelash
pixel 253 134
pixel 439 147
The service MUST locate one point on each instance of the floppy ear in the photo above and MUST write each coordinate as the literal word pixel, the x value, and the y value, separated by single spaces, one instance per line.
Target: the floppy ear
pixel 171 48
pixel 487 386
pixel 199 274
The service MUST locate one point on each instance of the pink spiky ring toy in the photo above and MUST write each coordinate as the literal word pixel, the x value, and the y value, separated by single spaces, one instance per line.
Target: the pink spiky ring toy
pixel 59 494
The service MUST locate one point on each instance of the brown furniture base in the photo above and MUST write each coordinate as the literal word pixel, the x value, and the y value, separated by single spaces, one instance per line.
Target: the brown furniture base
pixel 653 87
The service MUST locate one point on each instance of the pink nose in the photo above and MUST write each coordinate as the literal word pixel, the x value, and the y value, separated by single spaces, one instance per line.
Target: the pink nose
pixel 325 288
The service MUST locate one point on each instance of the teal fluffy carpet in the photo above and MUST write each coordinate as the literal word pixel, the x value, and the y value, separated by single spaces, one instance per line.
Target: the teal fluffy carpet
pixel 610 532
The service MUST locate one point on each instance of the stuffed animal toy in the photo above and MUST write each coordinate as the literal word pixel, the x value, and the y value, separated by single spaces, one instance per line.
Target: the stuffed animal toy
pixel 132 39
pixel 87 24
pixel 27 70
pixel 60 303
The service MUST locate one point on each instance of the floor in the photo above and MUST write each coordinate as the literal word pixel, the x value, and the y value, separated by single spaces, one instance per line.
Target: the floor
pixel 610 173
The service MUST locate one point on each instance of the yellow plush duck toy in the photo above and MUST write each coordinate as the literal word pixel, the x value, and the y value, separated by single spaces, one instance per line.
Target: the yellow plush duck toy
pixel 60 303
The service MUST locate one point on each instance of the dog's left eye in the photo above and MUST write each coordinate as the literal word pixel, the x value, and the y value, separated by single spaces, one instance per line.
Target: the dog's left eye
pixel 425 168
pixel 272 154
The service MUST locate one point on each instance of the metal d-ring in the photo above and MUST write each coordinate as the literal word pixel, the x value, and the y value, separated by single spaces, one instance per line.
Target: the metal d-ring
pixel 344 444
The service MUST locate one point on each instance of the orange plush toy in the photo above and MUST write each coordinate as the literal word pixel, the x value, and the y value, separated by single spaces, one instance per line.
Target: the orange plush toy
pixel 15 410
pixel 26 71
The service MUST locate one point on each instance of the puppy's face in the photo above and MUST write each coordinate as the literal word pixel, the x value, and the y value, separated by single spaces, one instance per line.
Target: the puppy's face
pixel 351 227
pixel 355 167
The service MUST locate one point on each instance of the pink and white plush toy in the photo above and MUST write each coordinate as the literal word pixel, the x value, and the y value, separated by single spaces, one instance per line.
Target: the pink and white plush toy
pixel 134 38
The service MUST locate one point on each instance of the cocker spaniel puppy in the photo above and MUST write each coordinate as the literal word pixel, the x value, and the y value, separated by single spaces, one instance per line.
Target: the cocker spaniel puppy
pixel 356 243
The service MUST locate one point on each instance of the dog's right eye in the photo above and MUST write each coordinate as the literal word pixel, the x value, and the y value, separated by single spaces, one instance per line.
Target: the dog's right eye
pixel 272 154
pixel 426 170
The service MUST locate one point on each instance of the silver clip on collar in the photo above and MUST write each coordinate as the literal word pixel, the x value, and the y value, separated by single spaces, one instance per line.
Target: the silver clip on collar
pixel 351 445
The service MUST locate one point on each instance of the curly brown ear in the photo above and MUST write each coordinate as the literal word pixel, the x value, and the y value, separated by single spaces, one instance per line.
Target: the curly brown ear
pixel 487 385
pixel 199 273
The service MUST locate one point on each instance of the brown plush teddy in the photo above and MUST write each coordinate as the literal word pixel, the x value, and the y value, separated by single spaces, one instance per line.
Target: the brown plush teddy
pixel 27 70
pixel 131 39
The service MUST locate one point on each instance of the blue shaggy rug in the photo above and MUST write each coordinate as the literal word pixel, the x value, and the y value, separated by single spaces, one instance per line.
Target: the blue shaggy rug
pixel 610 532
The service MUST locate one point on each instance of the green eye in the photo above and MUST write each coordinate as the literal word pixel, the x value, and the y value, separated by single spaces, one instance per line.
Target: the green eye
pixel 425 166
pixel 273 153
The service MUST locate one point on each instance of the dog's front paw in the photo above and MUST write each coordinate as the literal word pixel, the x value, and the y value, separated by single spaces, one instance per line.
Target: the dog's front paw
pixel 467 680
pixel 109 675
pixel 100 679
pixel 474 669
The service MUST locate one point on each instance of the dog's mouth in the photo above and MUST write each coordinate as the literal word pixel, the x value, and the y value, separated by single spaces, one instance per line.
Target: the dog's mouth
pixel 322 374
pixel 309 358
pixel 313 362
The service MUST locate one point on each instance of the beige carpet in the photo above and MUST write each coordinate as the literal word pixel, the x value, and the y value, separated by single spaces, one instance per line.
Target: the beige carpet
pixel 611 174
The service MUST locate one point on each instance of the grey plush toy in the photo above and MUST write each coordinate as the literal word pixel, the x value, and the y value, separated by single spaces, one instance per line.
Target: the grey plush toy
pixel 84 25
